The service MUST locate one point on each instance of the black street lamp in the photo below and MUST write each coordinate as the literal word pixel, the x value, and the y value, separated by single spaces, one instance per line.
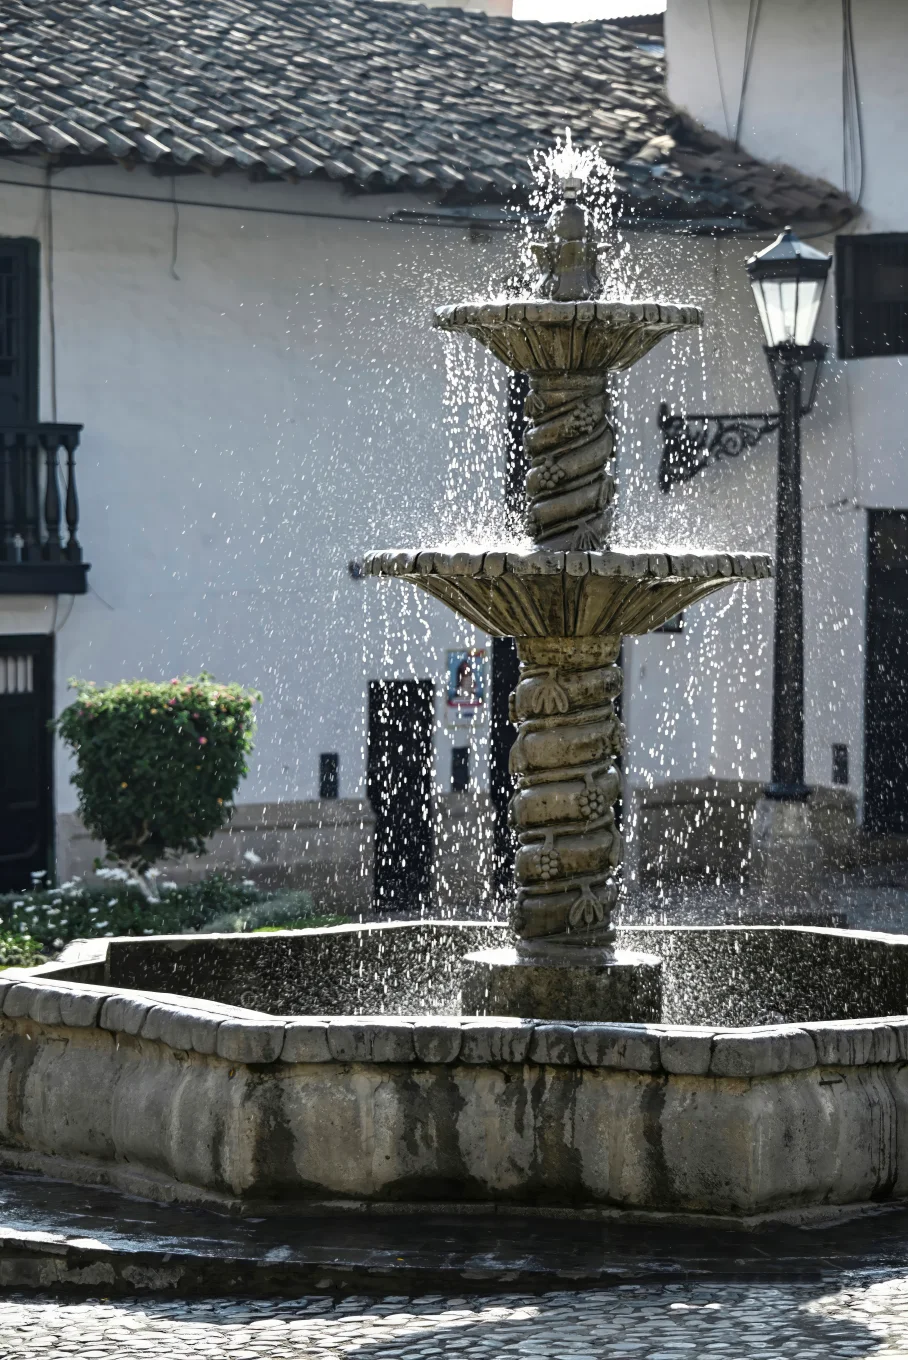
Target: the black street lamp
pixel 788 280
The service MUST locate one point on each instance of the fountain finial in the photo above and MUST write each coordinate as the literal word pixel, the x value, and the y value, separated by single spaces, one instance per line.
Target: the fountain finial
pixel 567 259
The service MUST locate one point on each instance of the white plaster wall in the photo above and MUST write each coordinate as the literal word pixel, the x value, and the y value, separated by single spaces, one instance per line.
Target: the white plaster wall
pixel 282 405
pixel 251 425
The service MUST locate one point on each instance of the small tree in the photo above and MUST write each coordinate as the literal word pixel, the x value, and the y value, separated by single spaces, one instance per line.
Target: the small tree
pixel 157 764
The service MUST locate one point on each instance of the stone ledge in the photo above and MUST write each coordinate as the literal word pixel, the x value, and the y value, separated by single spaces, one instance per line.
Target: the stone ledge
pixel 191 1025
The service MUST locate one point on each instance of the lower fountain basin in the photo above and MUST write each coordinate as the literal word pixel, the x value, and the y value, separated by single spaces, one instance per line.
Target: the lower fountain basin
pixel 543 593
pixel 266 1072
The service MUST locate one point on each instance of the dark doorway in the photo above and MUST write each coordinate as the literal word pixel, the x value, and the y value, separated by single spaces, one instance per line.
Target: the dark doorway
pixel 401 723
pixel 886 685
pixel 505 674
pixel 26 810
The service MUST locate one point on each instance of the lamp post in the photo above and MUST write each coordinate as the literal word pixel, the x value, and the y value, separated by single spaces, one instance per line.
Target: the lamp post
pixel 788 280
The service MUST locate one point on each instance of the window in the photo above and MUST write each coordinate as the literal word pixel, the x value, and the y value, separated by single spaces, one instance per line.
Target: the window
pixel 872 295
pixel 839 762
pixel 460 769
pixel 328 774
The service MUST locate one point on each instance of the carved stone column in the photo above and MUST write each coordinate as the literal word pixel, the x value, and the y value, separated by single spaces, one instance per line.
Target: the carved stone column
pixel 566 785
pixel 563 761
pixel 570 443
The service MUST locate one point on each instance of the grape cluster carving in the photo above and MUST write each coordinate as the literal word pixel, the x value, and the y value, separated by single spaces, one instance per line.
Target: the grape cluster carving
pixel 592 803
pixel 548 863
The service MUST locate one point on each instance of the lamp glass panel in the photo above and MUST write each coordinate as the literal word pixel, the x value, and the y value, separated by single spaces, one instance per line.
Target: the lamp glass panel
pixel 779 309
pixel 757 286
pixel 810 293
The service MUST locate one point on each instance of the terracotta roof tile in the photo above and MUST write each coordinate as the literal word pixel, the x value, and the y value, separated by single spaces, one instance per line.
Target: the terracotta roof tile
pixel 388 95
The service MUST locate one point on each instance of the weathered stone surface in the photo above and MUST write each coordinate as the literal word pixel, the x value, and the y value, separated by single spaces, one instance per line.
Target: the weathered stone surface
pixel 507 982
pixel 367 1040
pixel 686 1051
pixel 80 1006
pixel 757 1052
pixel 125 1012
pixel 851 1044
pixel 250 1041
pixel 306 1041
pixel 18 999
pixel 437 1040
pixel 182 1028
pixel 504 1040
pixel 633 1048
pixel 553 1044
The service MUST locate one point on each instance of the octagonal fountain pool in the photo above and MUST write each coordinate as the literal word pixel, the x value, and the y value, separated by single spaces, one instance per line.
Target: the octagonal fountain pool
pixel 267 1072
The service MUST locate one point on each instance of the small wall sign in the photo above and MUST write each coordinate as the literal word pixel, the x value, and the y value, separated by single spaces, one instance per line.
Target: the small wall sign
pixel 466 687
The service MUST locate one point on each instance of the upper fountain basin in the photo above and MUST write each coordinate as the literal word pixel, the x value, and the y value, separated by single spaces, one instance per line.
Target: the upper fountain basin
pixel 540 593
pixel 537 336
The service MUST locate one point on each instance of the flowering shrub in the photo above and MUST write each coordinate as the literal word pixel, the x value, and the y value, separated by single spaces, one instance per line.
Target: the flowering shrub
pixel 19 951
pixel 157 765
pixel 51 917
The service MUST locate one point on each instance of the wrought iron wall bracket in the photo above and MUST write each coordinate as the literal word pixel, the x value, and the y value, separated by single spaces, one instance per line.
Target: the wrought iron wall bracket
pixel 691 442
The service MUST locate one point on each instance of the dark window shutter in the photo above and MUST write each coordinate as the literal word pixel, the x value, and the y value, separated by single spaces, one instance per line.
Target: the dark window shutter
pixel 872 295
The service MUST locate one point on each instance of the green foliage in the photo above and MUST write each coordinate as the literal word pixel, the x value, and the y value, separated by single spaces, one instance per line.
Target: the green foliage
pixel 157 765
pixel 19 951
pixel 51 917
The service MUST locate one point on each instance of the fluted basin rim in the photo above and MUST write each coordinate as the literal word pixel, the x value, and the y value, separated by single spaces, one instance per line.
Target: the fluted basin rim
pixel 664 565
pixel 542 312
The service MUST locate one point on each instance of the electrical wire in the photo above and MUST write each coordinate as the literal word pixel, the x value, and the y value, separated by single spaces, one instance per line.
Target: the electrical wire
pixel 712 29
pixel 49 287
pixel 175 234
pixel 852 115
pixel 753 19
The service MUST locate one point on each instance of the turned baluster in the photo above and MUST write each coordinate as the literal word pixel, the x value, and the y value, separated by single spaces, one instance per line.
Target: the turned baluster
pixel 9 547
pixel 53 550
pixel 30 527
pixel 70 440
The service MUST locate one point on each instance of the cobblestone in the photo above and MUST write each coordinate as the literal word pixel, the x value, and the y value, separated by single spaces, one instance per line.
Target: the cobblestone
pixel 854 1317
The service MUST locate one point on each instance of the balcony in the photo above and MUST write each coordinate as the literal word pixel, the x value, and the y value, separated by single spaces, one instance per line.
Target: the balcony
pixel 40 552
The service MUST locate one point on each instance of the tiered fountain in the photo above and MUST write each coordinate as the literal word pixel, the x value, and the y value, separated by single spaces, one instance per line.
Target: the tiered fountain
pixel 567 600
pixel 448 1060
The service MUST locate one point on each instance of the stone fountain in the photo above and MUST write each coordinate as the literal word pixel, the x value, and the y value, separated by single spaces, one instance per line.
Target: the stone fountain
pixel 567 600
pixel 732 1071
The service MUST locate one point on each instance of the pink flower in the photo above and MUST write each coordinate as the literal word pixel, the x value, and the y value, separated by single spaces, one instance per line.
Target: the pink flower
pixel 203 741
pixel 174 681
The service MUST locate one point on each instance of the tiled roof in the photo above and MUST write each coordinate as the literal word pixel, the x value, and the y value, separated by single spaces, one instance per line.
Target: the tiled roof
pixel 438 101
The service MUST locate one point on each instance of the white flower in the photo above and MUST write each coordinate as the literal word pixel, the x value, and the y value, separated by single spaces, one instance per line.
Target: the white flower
pixel 38 874
pixel 20 903
pixel 111 902
pixel 102 924
pixel 248 883
pixel 58 944
pixel 152 873
pixel 93 911
pixel 251 857
pixel 168 885
pixel 120 875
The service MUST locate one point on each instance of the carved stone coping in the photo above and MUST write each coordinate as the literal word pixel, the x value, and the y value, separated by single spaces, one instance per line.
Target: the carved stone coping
pixel 541 312
pixel 190 1025
pixel 536 336
pixel 680 566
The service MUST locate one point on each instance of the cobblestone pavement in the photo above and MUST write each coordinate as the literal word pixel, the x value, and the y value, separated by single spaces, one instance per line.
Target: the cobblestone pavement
pixel 855 1317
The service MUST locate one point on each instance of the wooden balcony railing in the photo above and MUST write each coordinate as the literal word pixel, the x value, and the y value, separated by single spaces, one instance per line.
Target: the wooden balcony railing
pixel 40 551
